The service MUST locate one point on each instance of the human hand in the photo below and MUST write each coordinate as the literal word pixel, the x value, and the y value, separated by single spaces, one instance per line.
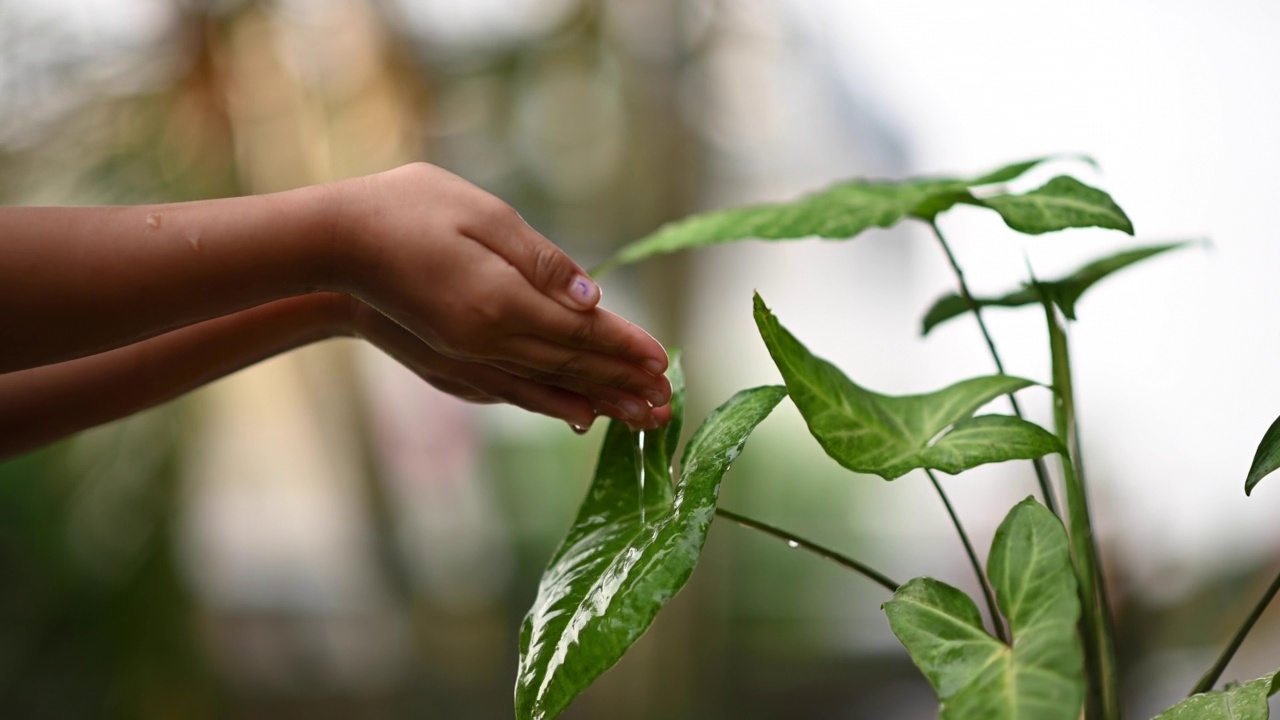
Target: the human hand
pixel 494 301
pixel 476 382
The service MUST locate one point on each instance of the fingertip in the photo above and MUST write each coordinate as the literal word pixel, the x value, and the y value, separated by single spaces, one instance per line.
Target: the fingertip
pixel 584 292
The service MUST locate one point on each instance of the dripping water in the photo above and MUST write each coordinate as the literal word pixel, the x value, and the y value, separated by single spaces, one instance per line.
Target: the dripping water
pixel 641 488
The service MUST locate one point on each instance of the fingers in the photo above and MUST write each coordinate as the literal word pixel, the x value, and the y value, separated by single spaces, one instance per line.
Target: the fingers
pixel 544 265
pixel 476 382
pixel 580 370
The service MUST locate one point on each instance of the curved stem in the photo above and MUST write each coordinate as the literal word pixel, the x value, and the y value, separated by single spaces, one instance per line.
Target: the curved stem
pixel 973 559
pixel 1042 472
pixel 798 542
pixel 1210 677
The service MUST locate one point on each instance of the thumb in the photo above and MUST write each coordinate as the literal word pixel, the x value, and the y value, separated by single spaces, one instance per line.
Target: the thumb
pixel 544 265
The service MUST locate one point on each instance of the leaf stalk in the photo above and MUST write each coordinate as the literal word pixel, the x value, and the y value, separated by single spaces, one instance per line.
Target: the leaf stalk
pixel 798 542
pixel 1042 471
pixel 990 597
pixel 1210 677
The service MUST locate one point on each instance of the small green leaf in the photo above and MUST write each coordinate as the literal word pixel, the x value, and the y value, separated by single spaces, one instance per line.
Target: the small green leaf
pixel 1065 291
pixel 891 435
pixel 1242 702
pixel 1016 170
pixel 623 559
pixel 1266 459
pixel 970 441
pixel 839 212
pixel 974 674
pixel 1061 203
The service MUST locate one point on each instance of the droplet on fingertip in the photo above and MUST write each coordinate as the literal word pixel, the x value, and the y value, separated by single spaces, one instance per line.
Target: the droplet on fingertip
pixel 584 290
pixel 581 430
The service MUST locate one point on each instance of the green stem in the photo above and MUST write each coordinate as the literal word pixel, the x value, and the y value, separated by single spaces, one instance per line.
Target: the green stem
pixel 1211 675
pixel 1042 472
pixel 973 559
pixel 799 542
pixel 1098 633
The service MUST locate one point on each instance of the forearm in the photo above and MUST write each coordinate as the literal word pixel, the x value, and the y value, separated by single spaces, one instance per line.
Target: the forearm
pixel 43 404
pixel 78 281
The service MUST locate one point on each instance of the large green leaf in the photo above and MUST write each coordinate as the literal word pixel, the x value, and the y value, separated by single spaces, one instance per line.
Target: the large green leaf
pixel 891 435
pixel 1064 291
pixel 632 547
pixel 1266 459
pixel 975 675
pixel 1242 702
pixel 1061 203
pixel 839 212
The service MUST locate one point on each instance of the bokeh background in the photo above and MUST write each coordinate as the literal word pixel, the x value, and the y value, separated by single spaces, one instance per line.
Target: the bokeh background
pixel 322 536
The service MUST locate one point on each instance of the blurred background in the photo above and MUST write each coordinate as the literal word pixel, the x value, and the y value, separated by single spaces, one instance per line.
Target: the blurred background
pixel 323 536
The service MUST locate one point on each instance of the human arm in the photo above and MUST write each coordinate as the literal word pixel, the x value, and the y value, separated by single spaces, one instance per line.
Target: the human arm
pixel 450 263
pixel 42 404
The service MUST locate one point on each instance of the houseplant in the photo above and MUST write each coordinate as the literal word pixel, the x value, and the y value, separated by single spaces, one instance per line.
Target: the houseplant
pixel 1049 650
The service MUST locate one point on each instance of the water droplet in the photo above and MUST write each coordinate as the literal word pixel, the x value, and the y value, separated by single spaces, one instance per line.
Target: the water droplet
pixel 793 544
pixel 578 428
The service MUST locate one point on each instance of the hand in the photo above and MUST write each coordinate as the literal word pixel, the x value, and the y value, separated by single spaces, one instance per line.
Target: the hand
pixel 495 301
pixel 476 381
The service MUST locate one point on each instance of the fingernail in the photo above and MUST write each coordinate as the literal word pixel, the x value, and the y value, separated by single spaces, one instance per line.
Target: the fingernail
pixel 653 366
pixel 630 408
pixel 582 289
pixel 655 398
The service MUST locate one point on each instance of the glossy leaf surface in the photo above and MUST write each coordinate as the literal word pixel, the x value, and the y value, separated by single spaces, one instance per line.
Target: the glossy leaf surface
pixel 839 212
pixel 1242 702
pixel 1065 291
pixel 1061 203
pixel 974 674
pixel 1266 459
pixel 889 435
pixel 632 547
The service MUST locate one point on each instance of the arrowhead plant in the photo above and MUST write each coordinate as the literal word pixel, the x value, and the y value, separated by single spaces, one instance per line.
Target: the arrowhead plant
pixel 1047 648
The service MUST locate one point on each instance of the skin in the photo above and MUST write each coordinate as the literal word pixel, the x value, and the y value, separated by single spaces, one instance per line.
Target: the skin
pixel 127 307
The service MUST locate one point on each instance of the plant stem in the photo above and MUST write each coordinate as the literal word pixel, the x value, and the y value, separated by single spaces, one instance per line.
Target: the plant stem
pixel 973 559
pixel 1210 677
pixel 798 542
pixel 1098 633
pixel 1042 472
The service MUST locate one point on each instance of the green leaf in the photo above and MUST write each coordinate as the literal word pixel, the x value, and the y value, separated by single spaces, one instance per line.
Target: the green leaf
pixel 974 674
pixel 1016 170
pixel 1064 291
pixel 840 212
pixel 1266 459
pixel 970 441
pixel 1242 702
pixel 1061 203
pixel 623 559
pixel 891 435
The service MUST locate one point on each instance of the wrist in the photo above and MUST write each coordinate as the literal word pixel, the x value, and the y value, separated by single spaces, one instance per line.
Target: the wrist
pixel 350 255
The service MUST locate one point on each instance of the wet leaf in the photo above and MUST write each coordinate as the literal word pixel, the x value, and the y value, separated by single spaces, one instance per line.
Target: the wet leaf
pixel 974 674
pixel 1242 702
pixel 1065 291
pixel 1061 203
pixel 889 435
pixel 623 559
pixel 1266 459
pixel 840 212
